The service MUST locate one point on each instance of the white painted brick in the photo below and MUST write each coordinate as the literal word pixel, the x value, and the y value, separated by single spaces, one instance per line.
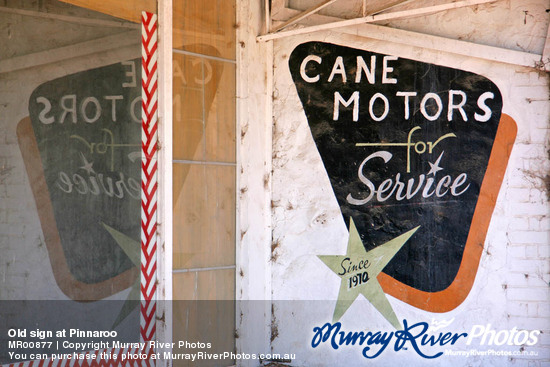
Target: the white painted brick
pixel 540 136
pixel 519 360
pixel 522 78
pixel 531 251
pixel 520 224
pixel 530 209
pixel 536 109
pixel 518 195
pixel 520 180
pixel 540 120
pixel 544 251
pixel 542 109
pixel 537 78
pixel 532 309
pixel 545 224
pixel 527 294
pixel 531 93
pixel 523 135
pixel 544 310
pixel 524 279
pixel 539 223
pixel 536 165
pixel 528 237
pixel 526 165
pixel 537 195
pixel 544 339
pixel 527 323
pixel 529 151
pixel 517 308
pixel 516 252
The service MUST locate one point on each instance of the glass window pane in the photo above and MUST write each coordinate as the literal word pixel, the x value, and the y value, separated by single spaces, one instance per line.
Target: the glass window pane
pixel 205 27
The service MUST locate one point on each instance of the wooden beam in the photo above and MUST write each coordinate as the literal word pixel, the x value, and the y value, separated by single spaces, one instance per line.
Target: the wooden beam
pixel 545 59
pixel 267 15
pixel 375 18
pixel 457 47
pixel 68 52
pixel 305 14
pixel 70 18
pixel 393 6
pixel 437 43
pixel 123 9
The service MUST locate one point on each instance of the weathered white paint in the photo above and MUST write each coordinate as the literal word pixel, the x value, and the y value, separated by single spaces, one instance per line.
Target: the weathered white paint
pixel 445 44
pixel 305 220
pixel 305 14
pixel 546 51
pixel 511 287
pixel 165 215
pixel 452 46
pixel 375 18
pixel 253 273
pixel 104 44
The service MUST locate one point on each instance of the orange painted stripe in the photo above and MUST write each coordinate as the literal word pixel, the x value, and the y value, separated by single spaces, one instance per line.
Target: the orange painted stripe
pixel 451 297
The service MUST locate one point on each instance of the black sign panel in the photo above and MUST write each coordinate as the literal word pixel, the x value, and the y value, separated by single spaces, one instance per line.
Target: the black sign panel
pixel 405 144
pixel 87 128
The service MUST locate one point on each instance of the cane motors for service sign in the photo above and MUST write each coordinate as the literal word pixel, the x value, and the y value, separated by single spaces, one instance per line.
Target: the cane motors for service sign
pixel 415 154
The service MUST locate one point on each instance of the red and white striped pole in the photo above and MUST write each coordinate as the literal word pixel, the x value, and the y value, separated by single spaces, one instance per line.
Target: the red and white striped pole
pixel 149 170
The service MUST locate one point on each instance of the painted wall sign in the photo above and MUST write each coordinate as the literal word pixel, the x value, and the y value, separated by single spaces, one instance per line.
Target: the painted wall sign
pixel 408 144
pixel 82 149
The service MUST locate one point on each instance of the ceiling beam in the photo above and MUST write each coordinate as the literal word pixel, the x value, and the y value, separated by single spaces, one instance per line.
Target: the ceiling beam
pixel 267 16
pixel 436 43
pixel 70 18
pixel 305 14
pixel 123 9
pixel 375 18
pixel 392 6
pixel 55 55
pixel 448 45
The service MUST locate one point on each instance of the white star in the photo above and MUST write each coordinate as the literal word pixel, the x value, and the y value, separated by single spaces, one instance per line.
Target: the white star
pixel 434 167
pixel 370 288
pixel 87 165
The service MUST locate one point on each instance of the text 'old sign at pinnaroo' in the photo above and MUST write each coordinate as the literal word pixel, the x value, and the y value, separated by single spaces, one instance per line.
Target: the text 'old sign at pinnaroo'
pixel 87 129
pixel 405 144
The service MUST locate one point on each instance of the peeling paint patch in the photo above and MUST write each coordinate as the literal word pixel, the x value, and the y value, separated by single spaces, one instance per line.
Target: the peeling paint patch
pixel 266 181
pixel 274 254
pixel 274 327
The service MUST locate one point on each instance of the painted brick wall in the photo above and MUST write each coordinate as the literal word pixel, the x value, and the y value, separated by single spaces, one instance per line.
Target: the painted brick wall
pixel 512 286
pixel 527 211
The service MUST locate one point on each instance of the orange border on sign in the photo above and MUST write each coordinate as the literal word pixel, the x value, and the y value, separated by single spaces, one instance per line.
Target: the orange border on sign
pixel 451 297
pixel 73 288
